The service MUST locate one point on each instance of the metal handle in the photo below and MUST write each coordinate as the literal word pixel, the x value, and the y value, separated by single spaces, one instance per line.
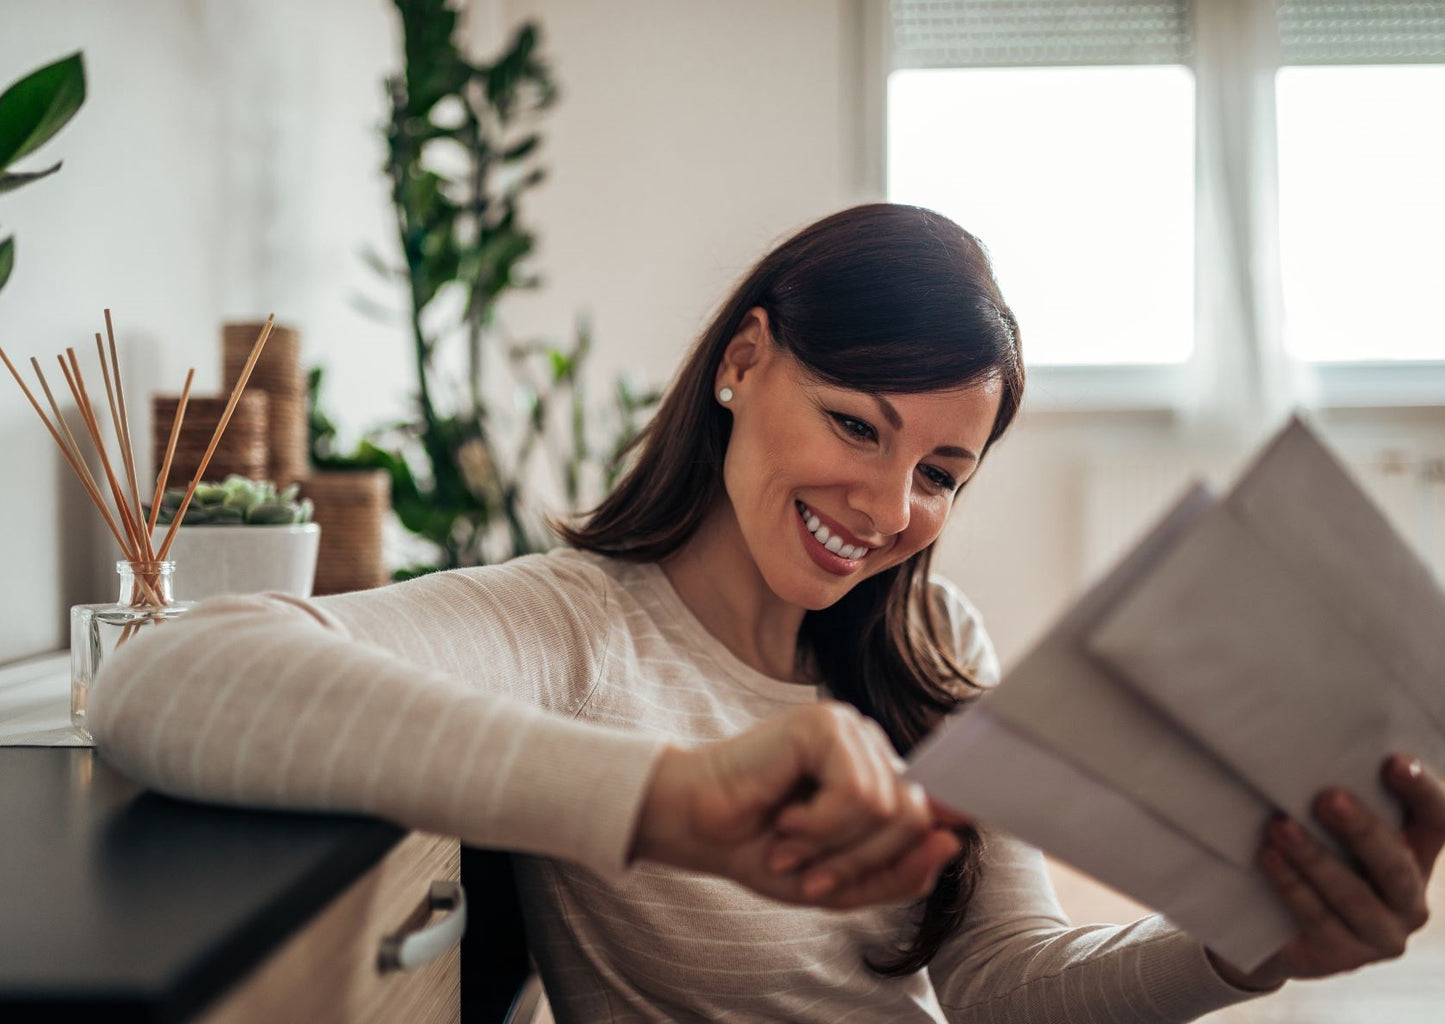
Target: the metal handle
pixel 414 946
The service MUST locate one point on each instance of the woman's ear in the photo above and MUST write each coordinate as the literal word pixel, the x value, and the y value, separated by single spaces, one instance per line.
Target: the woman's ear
pixel 750 348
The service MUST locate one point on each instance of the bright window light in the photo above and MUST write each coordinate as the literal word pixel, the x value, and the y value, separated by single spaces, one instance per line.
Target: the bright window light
pixel 1081 183
pixel 1362 212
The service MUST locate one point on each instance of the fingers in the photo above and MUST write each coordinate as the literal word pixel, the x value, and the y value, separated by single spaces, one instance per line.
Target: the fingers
pixel 859 791
pixel 1424 799
pixel 909 826
pixel 1388 863
pixel 910 877
pixel 864 822
pixel 1340 915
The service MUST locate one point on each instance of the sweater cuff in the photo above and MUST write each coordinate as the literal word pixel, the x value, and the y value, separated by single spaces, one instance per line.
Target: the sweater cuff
pixel 1181 981
pixel 582 788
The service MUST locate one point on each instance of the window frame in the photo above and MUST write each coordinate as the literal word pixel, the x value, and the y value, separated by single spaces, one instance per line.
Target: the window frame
pixel 1238 368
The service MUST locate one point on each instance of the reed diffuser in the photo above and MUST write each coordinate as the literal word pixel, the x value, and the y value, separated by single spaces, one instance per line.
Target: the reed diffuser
pixel 145 598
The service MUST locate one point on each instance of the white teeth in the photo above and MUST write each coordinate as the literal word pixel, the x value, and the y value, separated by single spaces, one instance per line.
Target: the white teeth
pixel 827 538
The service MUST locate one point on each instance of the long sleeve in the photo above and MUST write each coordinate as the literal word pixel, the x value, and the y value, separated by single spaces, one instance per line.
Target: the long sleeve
pixel 1019 961
pixel 443 704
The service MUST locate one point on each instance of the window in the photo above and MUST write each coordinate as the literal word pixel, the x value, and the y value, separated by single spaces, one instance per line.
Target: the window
pixel 1240 195
pixel 1362 211
pixel 1081 183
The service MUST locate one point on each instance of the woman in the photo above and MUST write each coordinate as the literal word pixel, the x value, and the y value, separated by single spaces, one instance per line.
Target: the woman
pixel 770 546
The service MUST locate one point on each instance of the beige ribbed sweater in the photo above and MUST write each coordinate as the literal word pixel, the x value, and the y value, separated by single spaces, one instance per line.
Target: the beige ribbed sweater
pixel 522 706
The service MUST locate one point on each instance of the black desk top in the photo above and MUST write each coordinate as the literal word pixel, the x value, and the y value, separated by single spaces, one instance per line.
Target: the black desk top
pixel 119 899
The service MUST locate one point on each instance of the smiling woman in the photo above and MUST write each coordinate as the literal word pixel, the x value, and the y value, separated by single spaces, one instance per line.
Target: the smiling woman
pixel 716 678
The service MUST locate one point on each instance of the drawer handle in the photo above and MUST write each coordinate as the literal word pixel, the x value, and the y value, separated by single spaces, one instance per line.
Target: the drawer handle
pixel 414 946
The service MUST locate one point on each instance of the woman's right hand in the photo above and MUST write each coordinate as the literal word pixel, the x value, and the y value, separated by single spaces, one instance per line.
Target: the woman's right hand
pixel 806 807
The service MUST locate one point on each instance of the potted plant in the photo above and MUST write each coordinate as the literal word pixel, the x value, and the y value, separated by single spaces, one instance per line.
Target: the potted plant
pixel 462 154
pixel 241 536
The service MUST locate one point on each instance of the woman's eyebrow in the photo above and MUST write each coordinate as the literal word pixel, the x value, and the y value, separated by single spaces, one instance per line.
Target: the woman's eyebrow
pixel 896 422
pixel 889 413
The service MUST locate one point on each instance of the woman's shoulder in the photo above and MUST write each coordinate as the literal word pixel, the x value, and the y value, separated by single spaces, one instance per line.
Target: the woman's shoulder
pixel 962 623
pixel 581 579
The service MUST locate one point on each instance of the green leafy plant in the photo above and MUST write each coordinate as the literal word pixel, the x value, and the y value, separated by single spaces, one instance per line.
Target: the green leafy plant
pixel 236 501
pixel 462 152
pixel 32 110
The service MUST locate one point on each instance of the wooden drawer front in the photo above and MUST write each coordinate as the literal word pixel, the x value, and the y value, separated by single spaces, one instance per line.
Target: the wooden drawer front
pixel 328 972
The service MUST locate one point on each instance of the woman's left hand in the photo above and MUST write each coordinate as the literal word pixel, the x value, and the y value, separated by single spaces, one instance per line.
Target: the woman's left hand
pixel 1350 917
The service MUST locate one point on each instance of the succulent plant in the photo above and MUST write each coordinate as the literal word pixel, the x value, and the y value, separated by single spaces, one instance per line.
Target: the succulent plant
pixel 237 501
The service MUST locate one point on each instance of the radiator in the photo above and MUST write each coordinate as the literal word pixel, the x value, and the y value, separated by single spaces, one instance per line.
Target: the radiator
pixel 1125 494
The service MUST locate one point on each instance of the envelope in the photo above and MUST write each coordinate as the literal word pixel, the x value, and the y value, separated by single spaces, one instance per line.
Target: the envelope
pixel 983 767
pixel 1292 633
pixel 1059 696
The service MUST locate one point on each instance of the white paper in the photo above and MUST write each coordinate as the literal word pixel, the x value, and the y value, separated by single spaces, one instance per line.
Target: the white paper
pixel 983 768
pixel 1246 655
pixel 1266 635
pixel 1069 703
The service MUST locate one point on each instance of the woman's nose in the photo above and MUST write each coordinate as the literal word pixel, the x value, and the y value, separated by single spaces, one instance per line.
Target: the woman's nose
pixel 885 497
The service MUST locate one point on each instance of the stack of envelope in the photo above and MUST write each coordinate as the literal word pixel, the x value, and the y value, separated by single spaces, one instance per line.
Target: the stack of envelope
pixel 1250 651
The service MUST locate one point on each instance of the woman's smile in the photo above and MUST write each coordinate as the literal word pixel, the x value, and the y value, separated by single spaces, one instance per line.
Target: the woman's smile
pixel 834 549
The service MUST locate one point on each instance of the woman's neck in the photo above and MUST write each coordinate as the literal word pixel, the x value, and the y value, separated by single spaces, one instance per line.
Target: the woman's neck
pixel 716 577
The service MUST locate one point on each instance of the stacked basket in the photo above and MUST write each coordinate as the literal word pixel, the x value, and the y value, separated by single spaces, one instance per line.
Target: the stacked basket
pixel 243 448
pixel 268 437
pixel 351 506
pixel 278 374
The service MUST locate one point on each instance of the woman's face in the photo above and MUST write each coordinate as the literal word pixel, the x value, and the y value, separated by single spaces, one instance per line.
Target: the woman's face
pixel 831 485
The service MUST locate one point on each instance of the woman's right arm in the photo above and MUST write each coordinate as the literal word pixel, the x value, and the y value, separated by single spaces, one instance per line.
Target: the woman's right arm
pixel 412 702
pixel 419 703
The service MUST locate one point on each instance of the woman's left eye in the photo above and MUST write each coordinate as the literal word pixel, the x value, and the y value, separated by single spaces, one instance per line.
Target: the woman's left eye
pixel 855 427
pixel 939 478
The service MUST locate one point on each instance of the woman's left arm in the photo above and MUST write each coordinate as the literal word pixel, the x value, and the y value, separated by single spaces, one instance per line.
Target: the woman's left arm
pixel 1352 916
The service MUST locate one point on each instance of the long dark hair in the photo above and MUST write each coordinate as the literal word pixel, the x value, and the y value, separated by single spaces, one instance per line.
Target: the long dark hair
pixel 884 298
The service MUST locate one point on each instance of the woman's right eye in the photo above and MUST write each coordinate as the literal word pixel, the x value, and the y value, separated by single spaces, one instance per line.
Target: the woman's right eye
pixel 855 428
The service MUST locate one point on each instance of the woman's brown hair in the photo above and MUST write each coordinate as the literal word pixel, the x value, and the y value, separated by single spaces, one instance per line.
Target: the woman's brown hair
pixel 881 298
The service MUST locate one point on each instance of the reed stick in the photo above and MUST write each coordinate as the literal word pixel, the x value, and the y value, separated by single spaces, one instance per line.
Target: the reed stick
pixel 76 380
pixel 216 436
pixel 170 451
pixel 122 427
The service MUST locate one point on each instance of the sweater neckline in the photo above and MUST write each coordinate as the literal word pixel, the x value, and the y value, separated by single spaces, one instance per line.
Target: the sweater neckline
pixel 698 635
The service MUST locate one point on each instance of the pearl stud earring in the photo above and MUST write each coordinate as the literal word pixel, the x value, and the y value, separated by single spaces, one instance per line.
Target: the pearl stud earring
pixel 725 395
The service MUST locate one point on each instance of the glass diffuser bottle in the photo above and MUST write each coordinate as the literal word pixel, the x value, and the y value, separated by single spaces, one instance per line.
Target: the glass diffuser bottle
pixel 96 630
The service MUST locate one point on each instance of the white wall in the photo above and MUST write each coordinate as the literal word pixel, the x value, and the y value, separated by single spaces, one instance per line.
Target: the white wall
pixel 689 137
pixel 225 164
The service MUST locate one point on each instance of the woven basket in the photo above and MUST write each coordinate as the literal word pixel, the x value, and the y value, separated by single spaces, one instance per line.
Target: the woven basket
pixel 278 373
pixel 351 506
pixel 243 446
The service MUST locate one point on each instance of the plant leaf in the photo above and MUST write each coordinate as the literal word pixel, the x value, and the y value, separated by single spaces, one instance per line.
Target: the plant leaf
pixel 38 106
pixel 7 259
pixel 10 182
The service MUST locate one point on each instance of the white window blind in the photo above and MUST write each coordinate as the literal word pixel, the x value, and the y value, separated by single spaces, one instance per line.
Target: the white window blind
pixel 1034 33
pixel 1361 31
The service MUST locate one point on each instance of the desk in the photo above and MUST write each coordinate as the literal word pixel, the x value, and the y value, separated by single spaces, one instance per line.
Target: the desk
pixel 119 900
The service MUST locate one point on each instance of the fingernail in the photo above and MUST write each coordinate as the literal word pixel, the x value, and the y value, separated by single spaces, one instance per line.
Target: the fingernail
pixel 1288 832
pixel 818 885
pixel 1414 768
pixel 1341 805
pixel 784 861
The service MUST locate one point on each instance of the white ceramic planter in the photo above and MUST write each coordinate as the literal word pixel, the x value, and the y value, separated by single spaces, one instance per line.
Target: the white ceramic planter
pixel 213 560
